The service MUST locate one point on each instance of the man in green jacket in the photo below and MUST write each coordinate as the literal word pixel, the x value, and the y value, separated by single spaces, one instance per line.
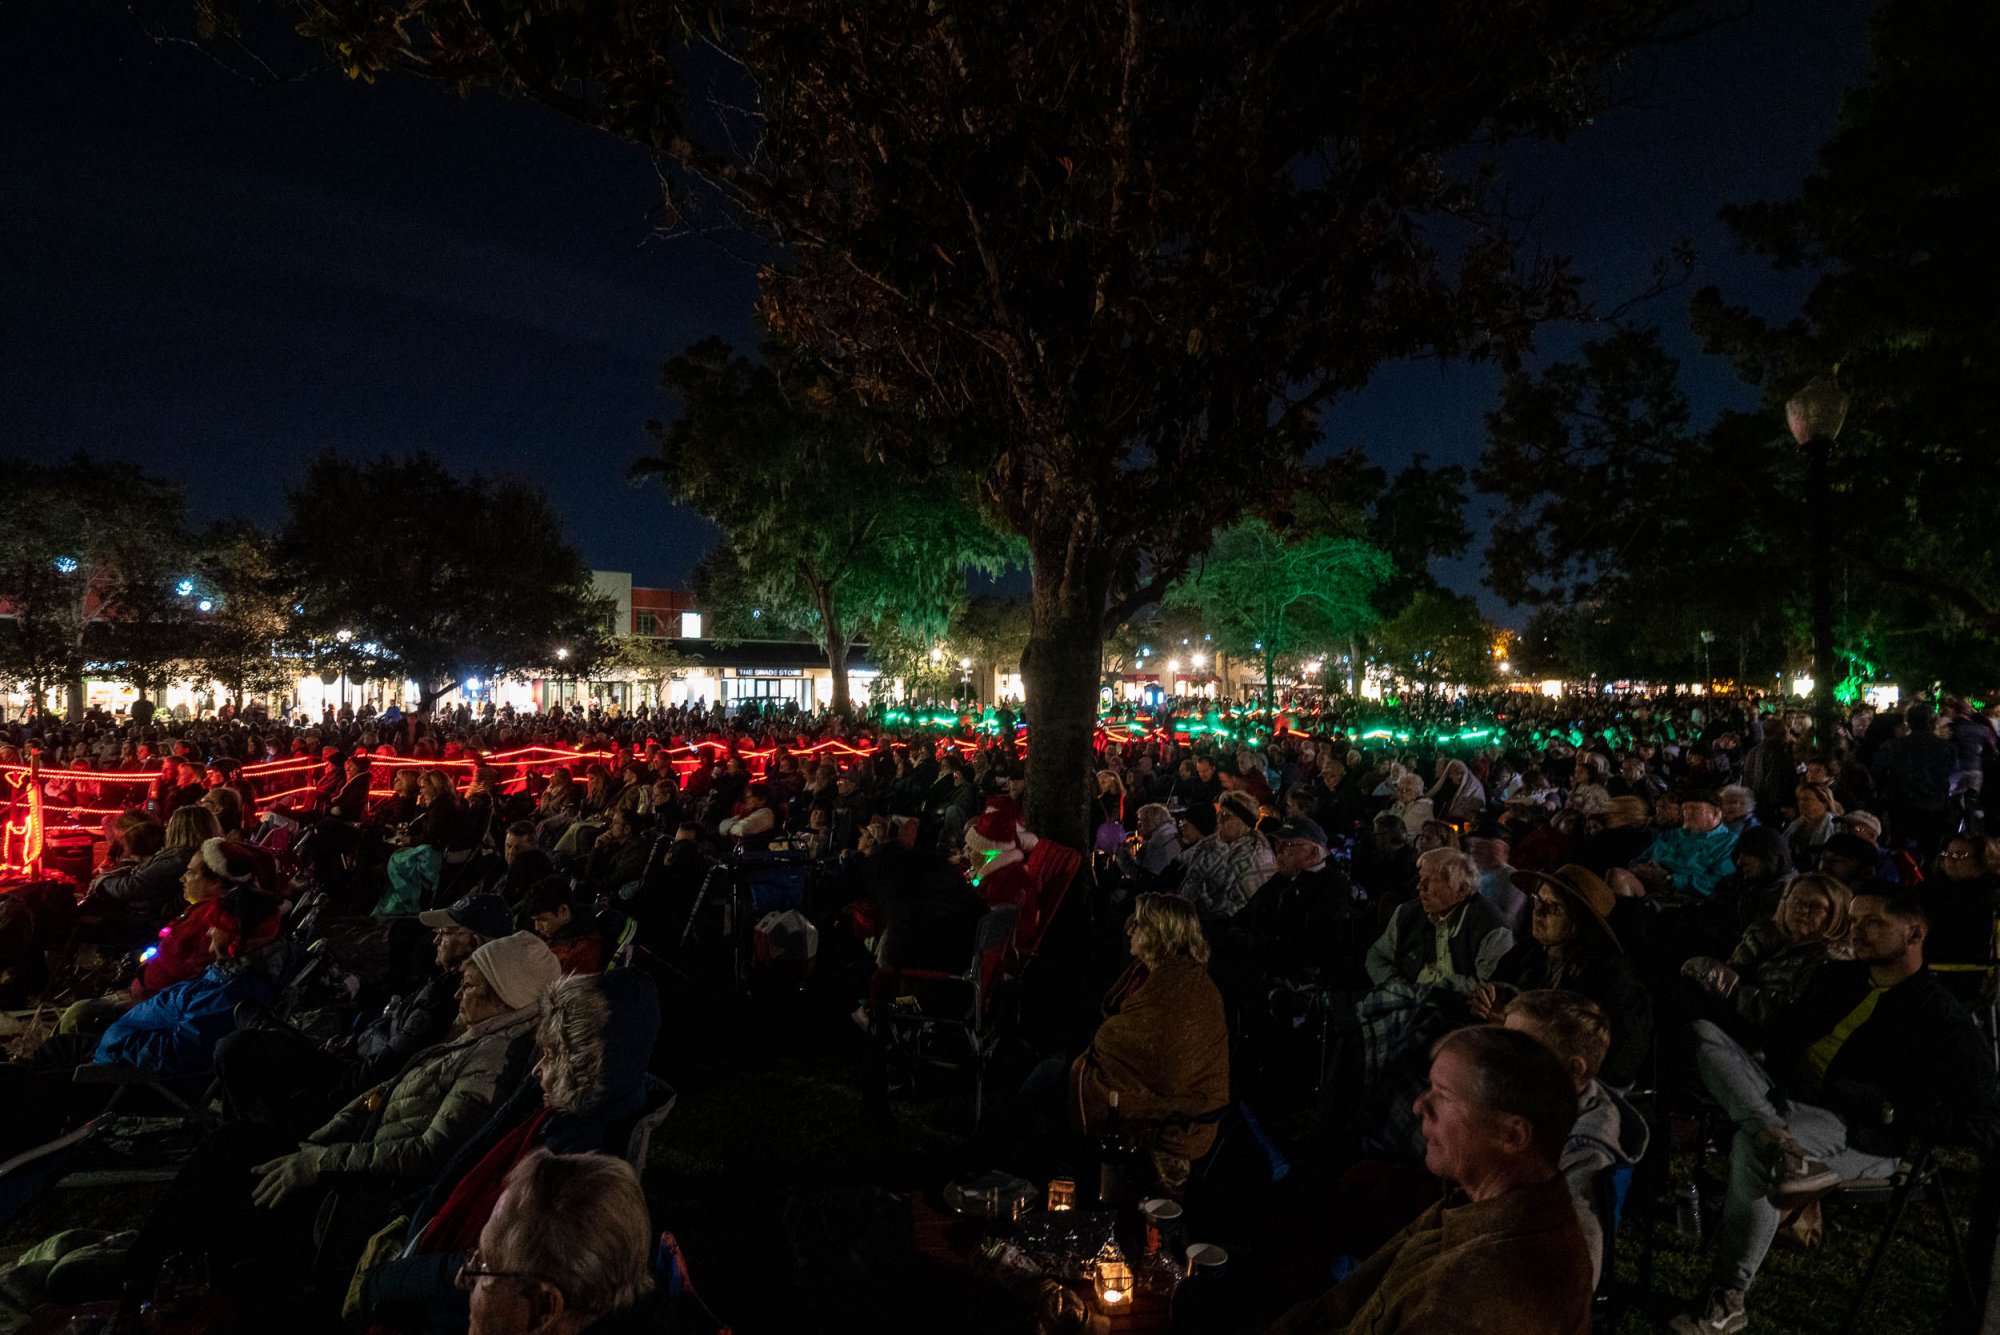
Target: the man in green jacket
pixel 1502 1254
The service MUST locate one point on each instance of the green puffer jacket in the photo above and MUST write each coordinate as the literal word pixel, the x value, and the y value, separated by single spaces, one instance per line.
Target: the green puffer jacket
pixel 439 1099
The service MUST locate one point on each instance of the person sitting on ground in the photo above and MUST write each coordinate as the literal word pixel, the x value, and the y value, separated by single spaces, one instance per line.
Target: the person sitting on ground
pixel 1776 959
pixel 1574 949
pixel 567 1250
pixel 1161 1054
pixel 1221 872
pixel 1874 1053
pixel 1503 1254
pixel 560 917
pixel 397 1136
pixel 1609 1133
pixel 1692 859
pixel 592 1046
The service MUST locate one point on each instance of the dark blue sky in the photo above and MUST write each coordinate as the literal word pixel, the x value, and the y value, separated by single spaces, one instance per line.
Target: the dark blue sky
pixel 218 280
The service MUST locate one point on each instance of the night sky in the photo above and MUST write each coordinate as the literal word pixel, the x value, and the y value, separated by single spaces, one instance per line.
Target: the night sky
pixel 218 280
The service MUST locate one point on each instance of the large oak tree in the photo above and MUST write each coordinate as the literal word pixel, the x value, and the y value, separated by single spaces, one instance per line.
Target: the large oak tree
pixel 1111 261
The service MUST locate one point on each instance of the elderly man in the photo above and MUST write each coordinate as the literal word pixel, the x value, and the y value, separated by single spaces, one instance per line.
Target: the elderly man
pixel 1875 1052
pixel 1503 1253
pixel 567 1250
pixel 1694 857
pixel 1300 922
pixel 1448 940
pixel 1437 950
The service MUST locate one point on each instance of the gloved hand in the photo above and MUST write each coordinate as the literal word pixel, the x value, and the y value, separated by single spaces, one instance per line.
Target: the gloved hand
pixel 283 1176
pixel 1711 975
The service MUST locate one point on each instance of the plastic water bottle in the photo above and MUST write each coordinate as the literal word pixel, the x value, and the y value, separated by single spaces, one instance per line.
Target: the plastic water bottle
pixel 1687 1214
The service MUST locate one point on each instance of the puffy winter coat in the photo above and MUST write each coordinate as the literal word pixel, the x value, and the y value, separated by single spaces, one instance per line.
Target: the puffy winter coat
pixel 174 1032
pixel 441 1096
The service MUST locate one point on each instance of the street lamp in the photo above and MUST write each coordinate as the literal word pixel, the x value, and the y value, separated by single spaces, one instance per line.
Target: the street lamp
pixel 1815 415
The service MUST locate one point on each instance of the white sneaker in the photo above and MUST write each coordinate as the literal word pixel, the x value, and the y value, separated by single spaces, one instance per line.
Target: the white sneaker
pixel 1721 1314
pixel 1801 1178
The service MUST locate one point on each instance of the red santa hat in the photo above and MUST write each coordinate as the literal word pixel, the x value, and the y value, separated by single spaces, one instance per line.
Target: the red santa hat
pixel 998 826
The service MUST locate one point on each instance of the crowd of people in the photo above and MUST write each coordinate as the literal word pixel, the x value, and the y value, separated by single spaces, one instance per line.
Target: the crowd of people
pixel 1489 942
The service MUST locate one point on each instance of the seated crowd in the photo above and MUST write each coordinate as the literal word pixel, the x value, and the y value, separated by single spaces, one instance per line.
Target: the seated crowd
pixel 1493 970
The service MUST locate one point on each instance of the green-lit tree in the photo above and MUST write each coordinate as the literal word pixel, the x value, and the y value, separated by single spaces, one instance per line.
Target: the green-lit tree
pixel 1269 600
pixel 431 576
pixel 821 536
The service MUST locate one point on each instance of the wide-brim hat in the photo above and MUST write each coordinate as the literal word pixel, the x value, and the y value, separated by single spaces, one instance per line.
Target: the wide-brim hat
pixel 1583 892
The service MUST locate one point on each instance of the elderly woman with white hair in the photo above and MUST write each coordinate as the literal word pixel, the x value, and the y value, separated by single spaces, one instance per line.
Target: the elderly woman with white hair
pixel 592 1045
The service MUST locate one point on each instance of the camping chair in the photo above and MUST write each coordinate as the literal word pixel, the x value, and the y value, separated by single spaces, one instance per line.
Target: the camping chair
pixel 1056 868
pixel 1921 1175
pixel 908 1007
pixel 1977 986
pixel 660 1100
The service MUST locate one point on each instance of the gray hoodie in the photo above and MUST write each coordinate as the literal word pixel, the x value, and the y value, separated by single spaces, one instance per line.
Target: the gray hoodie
pixel 1609 1134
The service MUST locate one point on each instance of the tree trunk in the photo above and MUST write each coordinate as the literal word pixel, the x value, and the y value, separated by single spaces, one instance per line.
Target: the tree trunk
pixel 836 647
pixel 1270 682
pixel 1062 668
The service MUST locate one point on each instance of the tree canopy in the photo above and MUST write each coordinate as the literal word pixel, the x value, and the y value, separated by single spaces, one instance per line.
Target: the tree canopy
pixel 91 557
pixel 1615 500
pixel 1439 639
pixel 437 577
pixel 1108 262
pixel 820 534
pixel 1270 600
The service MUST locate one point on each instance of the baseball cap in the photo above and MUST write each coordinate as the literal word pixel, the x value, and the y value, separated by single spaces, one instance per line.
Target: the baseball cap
pixel 1863 820
pixel 484 914
pixel 1301 828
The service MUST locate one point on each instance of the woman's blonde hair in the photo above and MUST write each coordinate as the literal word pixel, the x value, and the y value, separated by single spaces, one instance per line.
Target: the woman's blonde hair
pixel 1171 927
pixel 1837 893
pixel 192 826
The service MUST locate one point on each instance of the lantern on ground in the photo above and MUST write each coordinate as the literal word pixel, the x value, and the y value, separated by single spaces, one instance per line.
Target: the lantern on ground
pixel 1062 1194
pixel 1111 1279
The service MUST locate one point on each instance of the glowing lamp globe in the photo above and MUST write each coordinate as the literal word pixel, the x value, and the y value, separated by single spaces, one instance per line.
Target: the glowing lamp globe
pixel 1817 412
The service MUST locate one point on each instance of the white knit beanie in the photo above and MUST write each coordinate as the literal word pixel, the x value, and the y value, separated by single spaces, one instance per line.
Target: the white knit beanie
pixel 519 968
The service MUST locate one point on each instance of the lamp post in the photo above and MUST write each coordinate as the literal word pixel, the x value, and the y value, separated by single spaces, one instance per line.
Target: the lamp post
pixel 1815 415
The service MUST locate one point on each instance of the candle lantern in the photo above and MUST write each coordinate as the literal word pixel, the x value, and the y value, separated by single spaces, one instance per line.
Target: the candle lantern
pixel 1062 1194
pixel 1111 1279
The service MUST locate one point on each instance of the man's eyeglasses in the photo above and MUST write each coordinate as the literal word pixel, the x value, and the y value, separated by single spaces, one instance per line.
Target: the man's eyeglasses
pixel 477 1268
pixel 1546 905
